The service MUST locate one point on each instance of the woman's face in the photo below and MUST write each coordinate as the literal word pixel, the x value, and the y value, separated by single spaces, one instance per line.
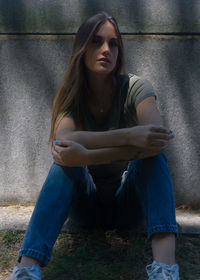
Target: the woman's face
pixel 102 52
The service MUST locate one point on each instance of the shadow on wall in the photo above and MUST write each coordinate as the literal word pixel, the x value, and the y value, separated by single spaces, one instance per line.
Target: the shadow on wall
pixel 185 72
pixel 183 69
pixel 27 65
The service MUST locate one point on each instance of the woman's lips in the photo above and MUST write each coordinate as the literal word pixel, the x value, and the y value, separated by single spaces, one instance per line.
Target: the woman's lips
pixel 104 60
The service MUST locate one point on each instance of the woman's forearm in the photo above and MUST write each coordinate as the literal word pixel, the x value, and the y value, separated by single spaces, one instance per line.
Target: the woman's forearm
pixel 96 140
pixel 69 153
pixel 143 136
pixel 109 155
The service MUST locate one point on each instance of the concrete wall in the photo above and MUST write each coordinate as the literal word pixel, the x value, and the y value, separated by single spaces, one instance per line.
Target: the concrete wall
pixel 162 43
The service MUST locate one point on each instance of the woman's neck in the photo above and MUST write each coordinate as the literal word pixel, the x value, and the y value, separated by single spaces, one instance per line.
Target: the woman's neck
pixel 101 91
pixel 99 85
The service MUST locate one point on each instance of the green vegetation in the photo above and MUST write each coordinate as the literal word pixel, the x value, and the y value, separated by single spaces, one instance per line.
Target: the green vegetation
pixel 101 255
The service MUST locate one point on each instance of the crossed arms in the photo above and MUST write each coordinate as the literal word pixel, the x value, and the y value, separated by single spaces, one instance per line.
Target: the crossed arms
pixel 81 148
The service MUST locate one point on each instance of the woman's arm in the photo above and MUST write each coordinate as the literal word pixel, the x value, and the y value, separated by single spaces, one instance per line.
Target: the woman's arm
pixel 69 153
pixel 90 139
pixel 144 140
pixel 144 136
pixel 148 113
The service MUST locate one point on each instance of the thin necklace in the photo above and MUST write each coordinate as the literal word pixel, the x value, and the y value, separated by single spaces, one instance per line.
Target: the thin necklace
pixel 101 107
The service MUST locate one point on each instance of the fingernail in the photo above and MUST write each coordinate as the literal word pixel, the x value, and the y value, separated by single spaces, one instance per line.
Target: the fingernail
pixel 56 141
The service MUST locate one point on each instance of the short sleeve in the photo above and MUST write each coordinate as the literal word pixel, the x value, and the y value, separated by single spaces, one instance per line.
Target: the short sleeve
pixel 139 89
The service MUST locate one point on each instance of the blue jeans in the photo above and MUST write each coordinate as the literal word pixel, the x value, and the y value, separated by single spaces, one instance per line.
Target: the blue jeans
pixel 71 191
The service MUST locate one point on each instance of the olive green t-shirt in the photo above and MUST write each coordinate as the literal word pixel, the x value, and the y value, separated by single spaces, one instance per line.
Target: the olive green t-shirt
pixel 131 90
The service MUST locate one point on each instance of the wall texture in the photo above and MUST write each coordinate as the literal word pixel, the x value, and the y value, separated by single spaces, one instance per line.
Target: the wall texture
pixel 162 43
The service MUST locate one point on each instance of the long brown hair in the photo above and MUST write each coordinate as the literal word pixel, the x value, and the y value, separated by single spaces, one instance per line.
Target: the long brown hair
pixel 68 99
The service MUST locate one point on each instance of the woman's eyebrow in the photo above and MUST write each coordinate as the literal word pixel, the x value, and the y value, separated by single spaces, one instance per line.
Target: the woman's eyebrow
pixel 114 39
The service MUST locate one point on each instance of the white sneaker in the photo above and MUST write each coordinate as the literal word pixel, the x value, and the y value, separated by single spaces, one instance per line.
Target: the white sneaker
pixel 160 271
pixel 26 273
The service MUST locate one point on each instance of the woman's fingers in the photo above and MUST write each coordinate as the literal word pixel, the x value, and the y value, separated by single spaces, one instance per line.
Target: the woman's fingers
pixel 160 129
pixel 160 139
pixel 160 133
pixel 159 143
pixel 55 149
pixel 55 153
pixel 59 146
pixel 163 136
pixel 63 143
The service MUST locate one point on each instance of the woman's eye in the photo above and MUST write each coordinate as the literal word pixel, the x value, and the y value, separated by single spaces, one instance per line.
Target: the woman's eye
pixel 96 41
pixel 113 44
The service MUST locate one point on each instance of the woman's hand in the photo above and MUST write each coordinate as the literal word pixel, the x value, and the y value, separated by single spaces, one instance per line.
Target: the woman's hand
pixel 153 137
pixel 69 153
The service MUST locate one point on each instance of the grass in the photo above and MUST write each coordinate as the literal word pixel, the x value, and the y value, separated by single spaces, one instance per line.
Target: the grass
pixel 100 255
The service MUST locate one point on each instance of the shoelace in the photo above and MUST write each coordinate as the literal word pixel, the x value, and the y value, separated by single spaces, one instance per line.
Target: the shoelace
pixel 167 272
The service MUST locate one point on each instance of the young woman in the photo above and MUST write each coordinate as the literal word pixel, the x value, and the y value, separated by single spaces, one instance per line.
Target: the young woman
pixel 107 140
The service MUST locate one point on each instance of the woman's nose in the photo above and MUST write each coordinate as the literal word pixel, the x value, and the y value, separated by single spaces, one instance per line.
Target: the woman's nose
pixel 105 47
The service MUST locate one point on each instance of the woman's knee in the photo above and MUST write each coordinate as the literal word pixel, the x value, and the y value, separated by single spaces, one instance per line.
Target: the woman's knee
pixel 71 172
pixel 155 165
pixel 60 182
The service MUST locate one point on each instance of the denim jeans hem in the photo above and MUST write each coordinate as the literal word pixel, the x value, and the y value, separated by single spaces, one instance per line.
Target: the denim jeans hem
pixel 35 254
pixel 162 228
